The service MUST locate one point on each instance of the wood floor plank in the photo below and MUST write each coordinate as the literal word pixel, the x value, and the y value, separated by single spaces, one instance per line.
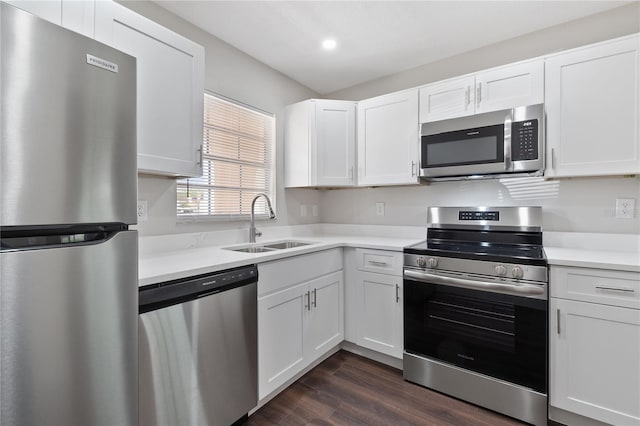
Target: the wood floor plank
pixel 347 389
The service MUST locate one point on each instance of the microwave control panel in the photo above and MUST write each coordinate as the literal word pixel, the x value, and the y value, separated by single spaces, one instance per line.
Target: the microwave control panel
pixel 524 140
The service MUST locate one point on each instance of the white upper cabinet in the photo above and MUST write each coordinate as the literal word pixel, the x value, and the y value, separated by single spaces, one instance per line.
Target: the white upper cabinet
pixel 491 90
pixel 510 86
pixel 593 117
pixel 319 143
pixel 388 139
pixel 170 82
pixel 76 15
pixel 448 99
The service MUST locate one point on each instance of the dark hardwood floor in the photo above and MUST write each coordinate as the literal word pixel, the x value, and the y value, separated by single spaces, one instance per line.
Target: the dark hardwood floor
pixel 347 389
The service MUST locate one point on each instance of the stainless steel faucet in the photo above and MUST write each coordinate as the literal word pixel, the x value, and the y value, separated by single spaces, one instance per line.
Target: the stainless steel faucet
pixel 253 232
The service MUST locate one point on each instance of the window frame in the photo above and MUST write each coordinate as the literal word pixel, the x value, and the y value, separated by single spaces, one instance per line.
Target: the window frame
pixel 270 191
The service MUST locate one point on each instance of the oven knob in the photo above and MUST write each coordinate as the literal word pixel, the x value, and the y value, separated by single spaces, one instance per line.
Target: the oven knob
pixel 501 270
pixel 432 262
pixel 517 272
pixel 422 262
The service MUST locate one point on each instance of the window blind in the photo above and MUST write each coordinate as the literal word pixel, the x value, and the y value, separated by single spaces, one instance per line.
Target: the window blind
pixel 237 163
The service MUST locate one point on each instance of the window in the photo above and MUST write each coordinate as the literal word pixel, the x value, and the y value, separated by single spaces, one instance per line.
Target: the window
pixel 238 148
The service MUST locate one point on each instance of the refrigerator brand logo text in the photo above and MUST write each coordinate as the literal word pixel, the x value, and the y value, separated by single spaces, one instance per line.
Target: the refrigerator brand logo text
pixel 102 63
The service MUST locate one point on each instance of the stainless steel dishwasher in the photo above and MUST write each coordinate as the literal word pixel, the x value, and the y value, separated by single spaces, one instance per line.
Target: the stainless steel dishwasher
pixel 198 355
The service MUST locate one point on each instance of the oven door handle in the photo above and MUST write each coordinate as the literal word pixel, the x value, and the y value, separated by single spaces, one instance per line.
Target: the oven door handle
pixel 518 289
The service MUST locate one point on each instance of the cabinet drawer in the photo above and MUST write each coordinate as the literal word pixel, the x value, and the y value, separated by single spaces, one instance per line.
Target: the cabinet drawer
pixel 380 261
pixel 279 274
pixel 616 288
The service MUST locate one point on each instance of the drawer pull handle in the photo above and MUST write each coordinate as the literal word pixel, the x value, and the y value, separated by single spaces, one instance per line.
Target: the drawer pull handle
pixel 626 290
pixel 558 320
pixel 378 263
pixel 397 293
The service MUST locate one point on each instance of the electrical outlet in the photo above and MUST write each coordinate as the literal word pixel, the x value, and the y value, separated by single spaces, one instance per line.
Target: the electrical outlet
pixel 625 208
pixel 142 210
pixel 380 209
pixel 303 210
pixel 314 210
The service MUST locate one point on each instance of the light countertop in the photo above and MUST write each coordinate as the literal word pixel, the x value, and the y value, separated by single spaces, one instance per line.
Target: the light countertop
pixel 171 265
pixel 602 251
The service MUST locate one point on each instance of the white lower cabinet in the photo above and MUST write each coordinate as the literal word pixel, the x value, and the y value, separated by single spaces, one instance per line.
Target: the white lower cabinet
pixel 381 315
pixel 374 309
pixel 298 323
pixel 595 346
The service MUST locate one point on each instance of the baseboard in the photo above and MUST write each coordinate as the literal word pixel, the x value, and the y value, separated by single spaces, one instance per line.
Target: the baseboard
pixel 373 355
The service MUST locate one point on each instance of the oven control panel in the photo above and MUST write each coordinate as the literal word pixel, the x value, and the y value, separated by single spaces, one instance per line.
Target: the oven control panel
pixel 476 215
pixel 498 271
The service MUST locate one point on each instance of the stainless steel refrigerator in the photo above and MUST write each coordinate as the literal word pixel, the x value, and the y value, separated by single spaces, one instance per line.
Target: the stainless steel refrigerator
pixel 68 262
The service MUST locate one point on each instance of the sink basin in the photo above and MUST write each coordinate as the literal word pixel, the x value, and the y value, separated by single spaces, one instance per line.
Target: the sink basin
pixel 286 245
pixel 251 249
pixel 264 248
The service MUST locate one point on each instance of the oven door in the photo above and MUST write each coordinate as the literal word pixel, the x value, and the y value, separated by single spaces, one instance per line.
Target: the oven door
pixel 499 335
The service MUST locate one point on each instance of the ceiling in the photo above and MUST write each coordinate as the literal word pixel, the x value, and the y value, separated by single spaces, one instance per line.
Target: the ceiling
pixel 374 38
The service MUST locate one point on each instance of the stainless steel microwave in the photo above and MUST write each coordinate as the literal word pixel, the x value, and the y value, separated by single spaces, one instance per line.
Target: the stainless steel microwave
pixel 484 145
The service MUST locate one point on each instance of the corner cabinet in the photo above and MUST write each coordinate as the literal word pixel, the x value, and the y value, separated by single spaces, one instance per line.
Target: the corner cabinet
pixel 491 90
pixel 594 333
pixel 593 111
pixel 319 143
pixel 170 93
pixel 388 139
pixel 300 315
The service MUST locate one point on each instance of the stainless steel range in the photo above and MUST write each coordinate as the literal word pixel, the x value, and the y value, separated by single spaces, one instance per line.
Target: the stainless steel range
pixel 475 309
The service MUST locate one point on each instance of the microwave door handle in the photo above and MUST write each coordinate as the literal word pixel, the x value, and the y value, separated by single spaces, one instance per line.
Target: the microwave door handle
pixel 519 289
pixel 508 165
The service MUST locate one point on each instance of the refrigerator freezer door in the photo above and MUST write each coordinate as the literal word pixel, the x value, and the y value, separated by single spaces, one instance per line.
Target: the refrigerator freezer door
pixel 69 336
pixel 68 137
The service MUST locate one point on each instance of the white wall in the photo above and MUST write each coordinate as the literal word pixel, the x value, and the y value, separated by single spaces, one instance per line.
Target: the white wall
pixel 570 205
pixel 236 75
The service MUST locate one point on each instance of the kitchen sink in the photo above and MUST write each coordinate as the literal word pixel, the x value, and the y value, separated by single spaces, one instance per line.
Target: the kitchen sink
pixel 251 249
pixel 264 248
pixel 286 245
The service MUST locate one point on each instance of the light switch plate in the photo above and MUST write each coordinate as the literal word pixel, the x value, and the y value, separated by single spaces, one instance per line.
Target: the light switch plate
pixel 625 208
pixel 380 209
pixel 314 210
pixel 303 210
pixel 142 211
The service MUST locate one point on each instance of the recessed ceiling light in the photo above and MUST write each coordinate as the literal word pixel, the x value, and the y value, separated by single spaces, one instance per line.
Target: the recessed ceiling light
pixel 329 44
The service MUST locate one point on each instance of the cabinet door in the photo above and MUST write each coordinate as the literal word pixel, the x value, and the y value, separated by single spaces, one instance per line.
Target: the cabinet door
pixel 388 139
pixel 326 320
pixel 381 322
pixel 594 368
pixel 281 328
pixel 593 118
pixel 448 99
pixel 78 15
pixel 510 86
pixel 170 71
pixel 335 143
